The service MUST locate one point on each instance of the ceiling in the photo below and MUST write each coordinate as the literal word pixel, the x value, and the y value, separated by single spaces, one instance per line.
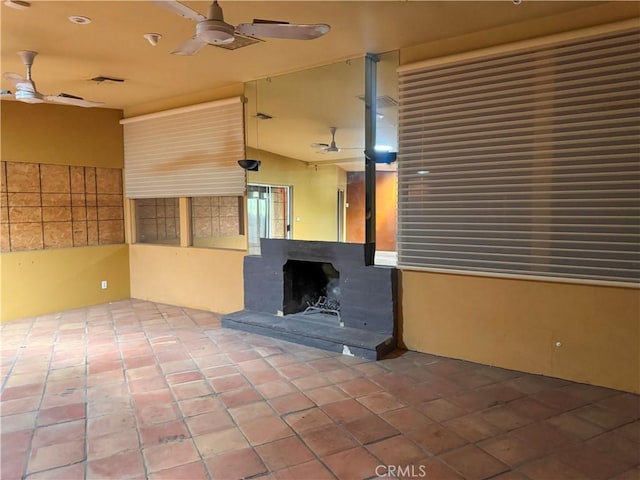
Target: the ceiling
pixel 113 45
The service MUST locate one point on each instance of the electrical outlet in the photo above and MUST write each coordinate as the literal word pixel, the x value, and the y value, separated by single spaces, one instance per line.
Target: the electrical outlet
pixel 103 284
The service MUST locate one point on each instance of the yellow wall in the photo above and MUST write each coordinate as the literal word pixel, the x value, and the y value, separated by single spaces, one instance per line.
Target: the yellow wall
pixel 194 277
pixel 177 101
pixel 314 193
pixel 43 281
pixel 61 134
pixel 600 13
pixel 516 323
pixel 238 242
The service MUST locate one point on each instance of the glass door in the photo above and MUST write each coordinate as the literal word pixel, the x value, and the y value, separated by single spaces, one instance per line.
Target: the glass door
pixel 268 211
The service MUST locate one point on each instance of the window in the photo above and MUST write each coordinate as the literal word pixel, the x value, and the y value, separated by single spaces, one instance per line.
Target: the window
pixel 268 210
pixel 157 220
pixel 213 218
pixel 188 153
pixel 525 162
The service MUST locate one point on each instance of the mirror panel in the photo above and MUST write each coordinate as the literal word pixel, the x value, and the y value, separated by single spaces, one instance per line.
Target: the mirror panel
pixel 288 120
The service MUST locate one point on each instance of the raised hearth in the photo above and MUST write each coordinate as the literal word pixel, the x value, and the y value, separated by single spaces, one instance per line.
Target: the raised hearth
pixel 319 294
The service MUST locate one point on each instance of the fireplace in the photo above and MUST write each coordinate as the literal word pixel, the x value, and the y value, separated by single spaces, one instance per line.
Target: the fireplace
pixel 311 287
pixel 319 294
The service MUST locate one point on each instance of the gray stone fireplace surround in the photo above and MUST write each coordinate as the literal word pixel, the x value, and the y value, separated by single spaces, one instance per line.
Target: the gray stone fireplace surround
pixel 358 309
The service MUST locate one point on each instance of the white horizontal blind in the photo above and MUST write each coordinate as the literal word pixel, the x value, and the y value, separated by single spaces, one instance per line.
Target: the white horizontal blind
pixel 186 152
pixel 524 163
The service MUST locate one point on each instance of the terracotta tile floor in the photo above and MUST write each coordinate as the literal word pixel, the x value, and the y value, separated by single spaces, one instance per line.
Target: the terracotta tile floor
pixel 134 390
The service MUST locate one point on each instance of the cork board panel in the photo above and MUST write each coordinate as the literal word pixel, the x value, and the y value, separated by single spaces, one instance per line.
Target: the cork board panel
pixel 59 206
pixel 78 199
pixel 92 232
pixel 109 200
pixel 109 180
pixel 58 234
pixel 80 234
pixel 78 213
pixel 25 236
pixel 54 179
pixel 56 200
pixel 25 214
pixel 23 177
pixel 92 213
pixel 3 177
pixel 111 231
pixel 110 213
pixel 4 237
pixel 77 179
pixel 90 180
pixel 24 199
pixel 4 209
pixel 56 214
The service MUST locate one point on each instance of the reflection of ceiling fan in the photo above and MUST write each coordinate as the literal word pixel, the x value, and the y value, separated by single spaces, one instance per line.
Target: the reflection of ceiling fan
pixel 332 147
pixel 26 87
pixel 213 30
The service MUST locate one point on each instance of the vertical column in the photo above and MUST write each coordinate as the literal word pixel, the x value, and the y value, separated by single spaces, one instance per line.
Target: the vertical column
pixel 186 235
pixel 370 159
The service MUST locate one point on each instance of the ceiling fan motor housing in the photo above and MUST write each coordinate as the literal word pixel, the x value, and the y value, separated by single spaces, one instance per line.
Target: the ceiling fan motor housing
pixel 215 32
pixel 28 96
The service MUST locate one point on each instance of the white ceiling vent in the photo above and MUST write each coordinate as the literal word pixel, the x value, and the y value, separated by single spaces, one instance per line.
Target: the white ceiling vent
pixel 384 101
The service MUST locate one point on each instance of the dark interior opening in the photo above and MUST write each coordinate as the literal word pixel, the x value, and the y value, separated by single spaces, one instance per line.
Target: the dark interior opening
pixel 305 282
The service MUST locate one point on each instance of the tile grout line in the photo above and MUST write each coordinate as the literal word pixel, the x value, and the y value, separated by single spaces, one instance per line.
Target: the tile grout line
pixel 44 390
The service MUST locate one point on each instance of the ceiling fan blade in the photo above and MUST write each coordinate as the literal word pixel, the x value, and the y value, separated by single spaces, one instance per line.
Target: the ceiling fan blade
pixel 190 47
pixel 14 77
pixel 180 9
pixel 30 100
pixel 270 29
pixel 67 99
pixel 320 145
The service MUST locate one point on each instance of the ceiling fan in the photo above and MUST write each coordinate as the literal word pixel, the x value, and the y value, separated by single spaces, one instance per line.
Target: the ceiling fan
pixel 26 88
pixel 332 147
pixel 213 30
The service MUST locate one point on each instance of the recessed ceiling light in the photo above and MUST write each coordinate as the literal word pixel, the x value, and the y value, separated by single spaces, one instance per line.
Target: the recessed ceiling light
pixel 423 172
pixel 152 38
pixel 79 20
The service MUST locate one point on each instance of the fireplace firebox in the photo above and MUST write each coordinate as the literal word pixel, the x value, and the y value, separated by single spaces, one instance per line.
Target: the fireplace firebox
pixel 320 294
pixel 310 286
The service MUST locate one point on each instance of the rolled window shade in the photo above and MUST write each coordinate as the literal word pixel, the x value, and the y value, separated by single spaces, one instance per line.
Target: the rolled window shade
pixel 524 163
pixel 191 151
